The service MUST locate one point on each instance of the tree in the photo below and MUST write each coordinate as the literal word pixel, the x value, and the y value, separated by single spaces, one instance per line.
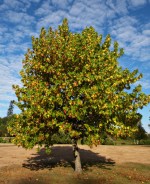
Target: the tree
pixel 140 133
pixel 10 109
pixel 72 82
pixel 3 126
pixel 4 121
pixel 149 124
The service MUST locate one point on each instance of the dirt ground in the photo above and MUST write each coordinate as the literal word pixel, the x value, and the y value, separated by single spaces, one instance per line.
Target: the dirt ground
pixel 12 155
pixel 13 158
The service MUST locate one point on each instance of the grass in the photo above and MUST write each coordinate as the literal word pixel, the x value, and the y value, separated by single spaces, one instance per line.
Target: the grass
pixel 131 173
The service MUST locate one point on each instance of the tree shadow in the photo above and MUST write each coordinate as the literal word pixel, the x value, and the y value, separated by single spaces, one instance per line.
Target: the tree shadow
pixel 63 156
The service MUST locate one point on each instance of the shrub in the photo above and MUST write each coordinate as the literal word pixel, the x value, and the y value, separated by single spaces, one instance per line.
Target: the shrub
pixel 61 138
pixel 108 141
pixel 2 140
pixel 5 139
pixel 144 142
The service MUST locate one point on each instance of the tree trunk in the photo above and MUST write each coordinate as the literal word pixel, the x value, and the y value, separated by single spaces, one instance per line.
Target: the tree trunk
pixel 78 167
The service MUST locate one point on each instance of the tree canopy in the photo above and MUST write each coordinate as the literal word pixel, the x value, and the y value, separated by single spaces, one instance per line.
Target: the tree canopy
pixel 72 82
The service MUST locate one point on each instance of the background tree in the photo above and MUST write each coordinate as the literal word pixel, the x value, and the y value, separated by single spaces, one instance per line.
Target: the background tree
pixel 10 109
pixel 72 82
pixel 140 133
pixel 3 127
pixel 149 124
pixel 4 121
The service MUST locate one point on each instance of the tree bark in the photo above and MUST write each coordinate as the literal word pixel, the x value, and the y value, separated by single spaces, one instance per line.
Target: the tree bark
pixel 78 167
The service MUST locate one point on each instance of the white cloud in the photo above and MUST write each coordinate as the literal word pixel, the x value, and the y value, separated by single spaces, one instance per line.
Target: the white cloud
pixel 9 67
pixel 15 5
pixel 44 9
pixel 51 20
pixel 60 4
pixel 18 17
pixel 137 2
pixel 77 9
pixel 118 6
pixel 3 29
pixel 146 26
pixel 34 1
pixel 146 32
pixel 135 41
pixel 145 83
pixel 79 13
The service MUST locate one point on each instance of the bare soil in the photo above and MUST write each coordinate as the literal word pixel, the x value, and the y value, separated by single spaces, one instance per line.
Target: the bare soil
pixel 11 154
pixel 16 162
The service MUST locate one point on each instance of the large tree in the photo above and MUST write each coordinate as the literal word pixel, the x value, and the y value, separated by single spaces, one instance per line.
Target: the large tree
pixel 72 82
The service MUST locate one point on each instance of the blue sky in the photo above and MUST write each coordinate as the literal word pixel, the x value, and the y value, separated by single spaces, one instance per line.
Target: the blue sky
pixel 127 21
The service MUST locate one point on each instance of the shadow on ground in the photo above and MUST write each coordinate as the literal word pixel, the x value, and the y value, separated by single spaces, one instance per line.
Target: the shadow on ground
pixel 63 156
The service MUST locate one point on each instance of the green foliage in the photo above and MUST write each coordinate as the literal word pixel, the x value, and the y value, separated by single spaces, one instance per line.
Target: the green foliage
pixel 61 138
pixel 105 140
pixel 145 142
pixel 5 139
pixel 72 82
pixel 2 140
pixel 109 142
pixel 4 122
pixel 3 126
